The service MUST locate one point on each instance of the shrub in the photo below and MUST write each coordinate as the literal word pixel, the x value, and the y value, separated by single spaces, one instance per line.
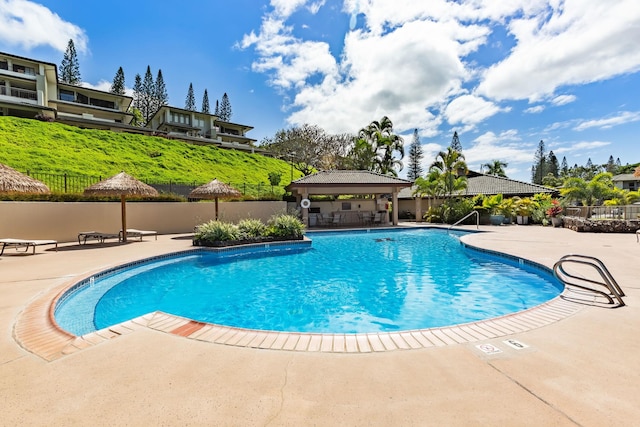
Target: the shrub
pixel 251 228
pixel 216 231
pixel 286 227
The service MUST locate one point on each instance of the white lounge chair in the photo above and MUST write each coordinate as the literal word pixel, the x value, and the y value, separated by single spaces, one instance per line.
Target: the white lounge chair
pixel 25 243
pixel 83 236
pixel 133 232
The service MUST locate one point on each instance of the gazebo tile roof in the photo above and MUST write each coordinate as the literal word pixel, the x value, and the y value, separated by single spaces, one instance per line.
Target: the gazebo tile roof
pixel 347 177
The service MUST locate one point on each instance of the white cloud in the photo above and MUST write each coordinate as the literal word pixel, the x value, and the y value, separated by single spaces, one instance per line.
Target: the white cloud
pixel 506 146
pixel 28 25
pixel 563 99
pixel 469 110
pixel 581 41
pixel 535 110
pixel 622 118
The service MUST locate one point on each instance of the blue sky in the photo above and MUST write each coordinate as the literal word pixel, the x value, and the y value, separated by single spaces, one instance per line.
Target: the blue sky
pixel 504 75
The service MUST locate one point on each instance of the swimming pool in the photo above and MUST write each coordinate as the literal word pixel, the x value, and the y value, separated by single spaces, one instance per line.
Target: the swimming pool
pixel 345 282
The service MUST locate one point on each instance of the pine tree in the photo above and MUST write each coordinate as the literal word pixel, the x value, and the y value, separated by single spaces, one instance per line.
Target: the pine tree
pixel 564 167
pixel 117 86
pixel 190 102
pixel 415 158
pixel 148 95
pixel 205 102
pixel 539 168
pixel 552 165
pixel 160 97
pixel 611 165
pixel 216 112
pixel 69 67
pixel 455 143
pixel 137 92
pixel 225 108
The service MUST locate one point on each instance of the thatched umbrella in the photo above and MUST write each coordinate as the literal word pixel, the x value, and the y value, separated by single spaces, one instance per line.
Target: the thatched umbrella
pixel 122 185
pixel 12 181
pixel 213 191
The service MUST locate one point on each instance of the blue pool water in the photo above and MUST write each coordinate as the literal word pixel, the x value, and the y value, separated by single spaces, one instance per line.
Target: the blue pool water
pixel 345 282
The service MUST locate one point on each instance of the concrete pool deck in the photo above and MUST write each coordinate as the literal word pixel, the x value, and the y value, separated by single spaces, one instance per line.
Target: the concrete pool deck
pixel 580 370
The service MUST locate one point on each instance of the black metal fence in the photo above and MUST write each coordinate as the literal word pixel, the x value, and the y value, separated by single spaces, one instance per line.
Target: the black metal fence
pixel 75 184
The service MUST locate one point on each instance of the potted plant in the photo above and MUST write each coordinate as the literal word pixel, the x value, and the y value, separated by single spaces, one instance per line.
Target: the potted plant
pixel 507 208
pixel 492 204
pixel 555 213
pixel 524 208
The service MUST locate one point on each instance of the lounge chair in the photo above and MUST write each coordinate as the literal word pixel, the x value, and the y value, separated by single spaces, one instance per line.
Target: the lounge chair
pixel 133 233
pixel 83 236
pixel 336 219
pixel 377 219
pixel 25 243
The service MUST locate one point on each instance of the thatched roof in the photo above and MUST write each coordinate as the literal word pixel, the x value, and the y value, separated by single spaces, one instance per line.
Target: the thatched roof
pixel 121 184
pixel 12 181
pixel 213 190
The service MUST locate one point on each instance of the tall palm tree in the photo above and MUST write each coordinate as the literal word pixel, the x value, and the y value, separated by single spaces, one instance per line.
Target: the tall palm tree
pixel 496 168
pixel 388 148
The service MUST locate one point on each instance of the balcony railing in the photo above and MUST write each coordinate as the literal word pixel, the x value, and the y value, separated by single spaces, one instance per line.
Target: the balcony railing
pixel 19 93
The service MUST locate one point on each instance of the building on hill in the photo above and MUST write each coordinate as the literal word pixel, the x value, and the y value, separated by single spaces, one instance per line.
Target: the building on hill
pixel 200 128
pixel 30 89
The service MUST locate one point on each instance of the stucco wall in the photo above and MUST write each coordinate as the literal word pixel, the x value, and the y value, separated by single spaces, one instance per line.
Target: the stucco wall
pixel 63 221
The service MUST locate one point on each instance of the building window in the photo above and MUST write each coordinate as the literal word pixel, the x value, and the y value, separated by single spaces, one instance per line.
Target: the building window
pixel 102 103
pixel 67 95
pixel 4 65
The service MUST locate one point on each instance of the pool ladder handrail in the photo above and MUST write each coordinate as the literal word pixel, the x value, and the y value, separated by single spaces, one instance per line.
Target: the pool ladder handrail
pixel 465 217
pixel 607 278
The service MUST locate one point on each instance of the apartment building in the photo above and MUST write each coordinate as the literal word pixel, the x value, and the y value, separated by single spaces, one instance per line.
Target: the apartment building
pixel 30 88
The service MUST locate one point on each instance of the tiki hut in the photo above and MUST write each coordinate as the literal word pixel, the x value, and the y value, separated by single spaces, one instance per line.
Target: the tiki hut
pixel 122 185
pixel 213 191
pixel 12 181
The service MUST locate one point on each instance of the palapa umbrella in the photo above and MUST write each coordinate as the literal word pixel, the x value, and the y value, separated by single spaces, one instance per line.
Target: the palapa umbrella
pixel 12 181
pixel 122 185
pixel 213 191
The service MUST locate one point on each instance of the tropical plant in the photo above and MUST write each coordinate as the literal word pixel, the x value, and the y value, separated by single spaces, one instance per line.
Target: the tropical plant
pixel 555 209
pixel 493 204
pixel 285 226
pixel 216 231
pixel 451 169
pixel 591 193
pixel 388 149
pixel 524 206
pixel 251 228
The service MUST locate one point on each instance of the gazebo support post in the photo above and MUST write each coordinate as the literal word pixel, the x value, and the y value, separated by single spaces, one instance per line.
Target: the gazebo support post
pixel 305 211
pixel 216 208
pixel 395 205
pixel 418 209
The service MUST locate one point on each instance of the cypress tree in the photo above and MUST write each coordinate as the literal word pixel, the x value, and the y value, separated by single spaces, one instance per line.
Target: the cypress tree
pixel 225 108
pixel 190 102
pixel 205 102
pixel 117 86
pixel 552 165
pixel 69 67
pixel 415 158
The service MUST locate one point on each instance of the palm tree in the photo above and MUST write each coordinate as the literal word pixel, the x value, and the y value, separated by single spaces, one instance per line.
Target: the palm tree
pixel 430 187
pixel 588 193
pixel 496 168
pixel 451 169
pixel 386 147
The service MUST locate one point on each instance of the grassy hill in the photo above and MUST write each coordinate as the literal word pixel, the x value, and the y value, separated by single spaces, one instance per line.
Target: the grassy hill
pixel 35 146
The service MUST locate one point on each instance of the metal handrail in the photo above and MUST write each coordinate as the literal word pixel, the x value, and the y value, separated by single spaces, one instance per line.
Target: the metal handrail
pixel 604 268
pixel 467 216
pixel 608 281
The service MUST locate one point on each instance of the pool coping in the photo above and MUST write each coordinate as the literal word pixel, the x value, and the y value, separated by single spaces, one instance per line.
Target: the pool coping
pixel 37 332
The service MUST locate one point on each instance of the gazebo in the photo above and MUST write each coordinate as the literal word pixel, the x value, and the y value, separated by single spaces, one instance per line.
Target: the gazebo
pixel 339 182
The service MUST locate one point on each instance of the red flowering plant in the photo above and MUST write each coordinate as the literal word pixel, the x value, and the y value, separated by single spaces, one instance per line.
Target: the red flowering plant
pixel 555 209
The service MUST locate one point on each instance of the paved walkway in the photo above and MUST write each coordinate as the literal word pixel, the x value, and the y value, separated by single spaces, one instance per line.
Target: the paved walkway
pixel 581 370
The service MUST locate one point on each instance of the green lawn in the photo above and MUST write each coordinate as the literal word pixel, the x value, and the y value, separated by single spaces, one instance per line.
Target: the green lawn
pixel 43 147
